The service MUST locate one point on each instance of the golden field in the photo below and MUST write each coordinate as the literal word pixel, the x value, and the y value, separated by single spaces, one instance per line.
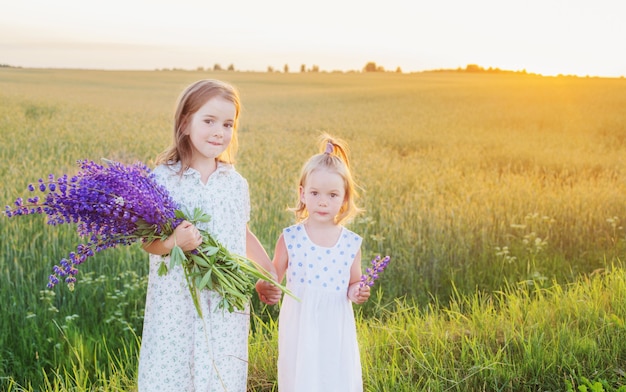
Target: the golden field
pixel 451 165
pixel 469 181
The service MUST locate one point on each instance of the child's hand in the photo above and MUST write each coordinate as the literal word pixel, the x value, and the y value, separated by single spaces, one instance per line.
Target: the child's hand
pixel 185 235
pixel 358 294
pixel 268 293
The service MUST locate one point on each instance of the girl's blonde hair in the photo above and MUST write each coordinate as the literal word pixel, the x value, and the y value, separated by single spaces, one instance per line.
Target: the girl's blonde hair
pixel 189 102
pixel 334 157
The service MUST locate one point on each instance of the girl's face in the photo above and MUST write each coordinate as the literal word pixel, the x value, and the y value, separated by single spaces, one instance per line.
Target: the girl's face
pixel 323 194
pixel 210 129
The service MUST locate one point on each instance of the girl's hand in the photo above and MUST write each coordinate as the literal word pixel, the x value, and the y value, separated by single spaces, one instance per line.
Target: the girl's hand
pixel 268 293
pixel 185 235
pixel 358 294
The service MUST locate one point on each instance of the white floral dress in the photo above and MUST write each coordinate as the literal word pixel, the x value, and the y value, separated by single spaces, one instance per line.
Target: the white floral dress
pixel 179 350
pixel 317 342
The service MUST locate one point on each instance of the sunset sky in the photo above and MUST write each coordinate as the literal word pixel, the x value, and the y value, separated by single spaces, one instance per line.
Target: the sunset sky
pixel 542 36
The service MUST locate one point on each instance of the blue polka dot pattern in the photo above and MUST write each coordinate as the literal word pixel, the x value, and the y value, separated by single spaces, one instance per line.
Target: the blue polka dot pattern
pixel 318 266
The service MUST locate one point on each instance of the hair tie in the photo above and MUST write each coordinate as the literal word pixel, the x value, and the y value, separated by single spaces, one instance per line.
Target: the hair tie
pixel 329 148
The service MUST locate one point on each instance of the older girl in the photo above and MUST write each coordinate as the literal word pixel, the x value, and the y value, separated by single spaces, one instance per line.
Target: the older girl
pixel 179 350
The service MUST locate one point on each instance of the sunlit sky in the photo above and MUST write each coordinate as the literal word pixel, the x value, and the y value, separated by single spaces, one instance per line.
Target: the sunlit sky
pixel 550 37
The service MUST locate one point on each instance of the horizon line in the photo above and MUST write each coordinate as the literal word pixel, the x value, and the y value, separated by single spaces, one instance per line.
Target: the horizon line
pixel 469 68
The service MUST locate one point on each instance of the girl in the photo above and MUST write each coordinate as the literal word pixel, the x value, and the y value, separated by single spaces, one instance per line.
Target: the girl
pixel 321 259
pixel 181 351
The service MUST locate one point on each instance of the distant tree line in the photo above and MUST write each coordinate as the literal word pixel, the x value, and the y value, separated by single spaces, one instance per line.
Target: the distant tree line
pixel 475 68
pixel 370 66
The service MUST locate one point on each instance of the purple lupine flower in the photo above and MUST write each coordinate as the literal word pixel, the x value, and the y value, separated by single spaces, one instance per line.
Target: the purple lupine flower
pixel 119 205
pixel 372 273
pixel 112 205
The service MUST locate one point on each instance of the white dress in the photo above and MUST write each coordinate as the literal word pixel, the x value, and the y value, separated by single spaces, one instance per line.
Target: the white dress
pixel 317 342
pixel 179 350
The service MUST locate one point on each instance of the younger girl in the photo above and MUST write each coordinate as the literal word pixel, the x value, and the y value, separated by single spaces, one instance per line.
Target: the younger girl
pixel 179 350
pixel 321 259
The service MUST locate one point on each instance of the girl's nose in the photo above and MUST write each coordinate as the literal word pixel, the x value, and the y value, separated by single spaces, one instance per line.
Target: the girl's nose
pixel 218 131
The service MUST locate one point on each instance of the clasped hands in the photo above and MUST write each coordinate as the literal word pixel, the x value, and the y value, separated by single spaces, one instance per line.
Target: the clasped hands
pixel 268 293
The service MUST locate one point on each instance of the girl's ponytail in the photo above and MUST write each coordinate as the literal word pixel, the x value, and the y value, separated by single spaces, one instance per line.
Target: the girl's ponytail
pixel 337 147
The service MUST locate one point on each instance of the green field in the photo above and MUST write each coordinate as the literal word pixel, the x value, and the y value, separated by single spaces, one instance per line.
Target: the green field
pixel 500 198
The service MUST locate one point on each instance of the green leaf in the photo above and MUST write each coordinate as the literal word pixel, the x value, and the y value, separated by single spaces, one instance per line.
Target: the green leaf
pixel 200 216
pixel 205 280
pixel 210 250
pixel 199 260
pixel 177 256
pixel 162 269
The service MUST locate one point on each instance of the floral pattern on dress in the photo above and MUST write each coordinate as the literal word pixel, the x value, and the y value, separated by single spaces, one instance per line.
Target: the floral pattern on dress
pixel 179 350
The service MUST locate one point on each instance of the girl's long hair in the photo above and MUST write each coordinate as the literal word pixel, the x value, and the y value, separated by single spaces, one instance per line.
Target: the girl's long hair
pixel 189 102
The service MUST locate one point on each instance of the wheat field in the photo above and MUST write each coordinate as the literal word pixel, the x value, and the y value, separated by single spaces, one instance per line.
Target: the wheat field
pixel 470 182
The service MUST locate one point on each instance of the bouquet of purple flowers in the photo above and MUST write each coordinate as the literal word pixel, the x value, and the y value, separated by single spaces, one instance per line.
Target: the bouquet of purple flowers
pixel 121 204
pixel 372 273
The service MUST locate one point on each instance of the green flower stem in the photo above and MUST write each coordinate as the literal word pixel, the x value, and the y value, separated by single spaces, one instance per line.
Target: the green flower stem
pixel 211 266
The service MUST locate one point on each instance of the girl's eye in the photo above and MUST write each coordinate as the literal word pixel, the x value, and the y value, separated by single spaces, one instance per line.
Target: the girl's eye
pixel 208 121
pixel 333 195
pixel 314 193
pixel 228 125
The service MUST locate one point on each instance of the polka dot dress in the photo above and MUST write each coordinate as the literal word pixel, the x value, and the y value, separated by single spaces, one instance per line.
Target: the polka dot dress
pixel 318 349
pixel 181 352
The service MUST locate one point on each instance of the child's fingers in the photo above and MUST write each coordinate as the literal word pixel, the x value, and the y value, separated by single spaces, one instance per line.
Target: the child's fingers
pixel 268 293
pixel 362 294
pixel 269 299
pixel 187 236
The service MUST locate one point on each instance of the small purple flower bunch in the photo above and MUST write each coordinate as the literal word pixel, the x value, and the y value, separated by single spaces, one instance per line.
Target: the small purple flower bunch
pixel 112 205
pixel 372 273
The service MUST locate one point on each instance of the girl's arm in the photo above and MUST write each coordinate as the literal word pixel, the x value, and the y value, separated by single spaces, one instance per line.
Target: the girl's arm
pixel 185 235
pixel 356 293
pixel 268 293
pixel 280 258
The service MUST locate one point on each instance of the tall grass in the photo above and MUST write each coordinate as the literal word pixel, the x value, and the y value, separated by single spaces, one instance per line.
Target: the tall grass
pixel 517 339
pixel 560 338
pixel 472 183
